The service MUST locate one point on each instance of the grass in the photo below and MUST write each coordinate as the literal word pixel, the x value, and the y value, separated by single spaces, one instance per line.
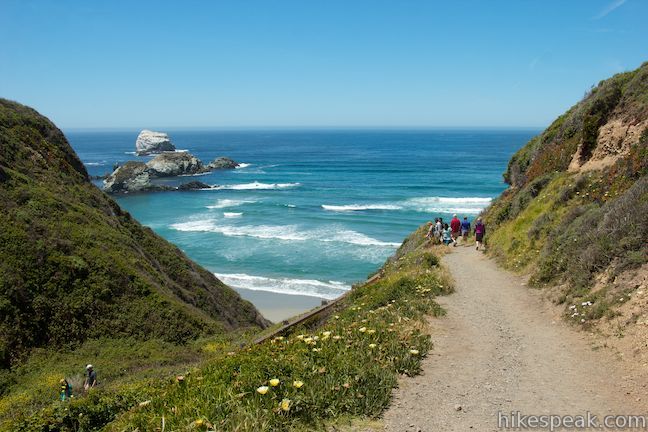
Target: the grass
pixel 348 363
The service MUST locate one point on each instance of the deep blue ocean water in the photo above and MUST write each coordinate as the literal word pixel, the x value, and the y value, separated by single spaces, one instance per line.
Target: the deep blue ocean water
pixel 311 212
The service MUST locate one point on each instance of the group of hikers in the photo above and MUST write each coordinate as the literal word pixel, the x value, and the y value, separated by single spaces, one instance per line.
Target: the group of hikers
pixel 446 234
pixel 89 382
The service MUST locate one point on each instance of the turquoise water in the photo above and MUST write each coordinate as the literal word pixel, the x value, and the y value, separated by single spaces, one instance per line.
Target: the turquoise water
pixel 311 212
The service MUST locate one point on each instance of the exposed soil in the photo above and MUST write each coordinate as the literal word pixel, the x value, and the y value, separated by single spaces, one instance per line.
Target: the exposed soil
pixel 502 348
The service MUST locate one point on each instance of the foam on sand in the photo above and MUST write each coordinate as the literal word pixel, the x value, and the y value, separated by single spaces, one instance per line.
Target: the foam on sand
pixel 310 287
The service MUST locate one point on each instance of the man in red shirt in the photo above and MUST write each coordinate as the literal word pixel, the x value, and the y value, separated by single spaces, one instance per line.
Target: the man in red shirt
pixel 455 228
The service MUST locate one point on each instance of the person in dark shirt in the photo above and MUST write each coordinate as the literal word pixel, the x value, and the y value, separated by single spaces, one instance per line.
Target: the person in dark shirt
pixel 465 229
pixel 91 379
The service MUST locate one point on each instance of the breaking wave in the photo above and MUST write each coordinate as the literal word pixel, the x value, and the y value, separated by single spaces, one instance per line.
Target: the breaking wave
pixel 258 186
pixel 310 287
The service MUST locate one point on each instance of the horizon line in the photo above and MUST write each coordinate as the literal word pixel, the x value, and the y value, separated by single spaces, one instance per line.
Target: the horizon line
pixel 294 128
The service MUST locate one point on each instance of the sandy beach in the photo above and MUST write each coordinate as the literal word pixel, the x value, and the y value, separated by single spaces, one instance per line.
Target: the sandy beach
pixel 277 307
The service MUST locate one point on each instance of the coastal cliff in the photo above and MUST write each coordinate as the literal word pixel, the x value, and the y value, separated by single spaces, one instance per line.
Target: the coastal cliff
pixel 74 266
pixel 574 214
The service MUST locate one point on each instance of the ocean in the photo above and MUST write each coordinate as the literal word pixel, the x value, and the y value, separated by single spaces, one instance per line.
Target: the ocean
pixel 310 212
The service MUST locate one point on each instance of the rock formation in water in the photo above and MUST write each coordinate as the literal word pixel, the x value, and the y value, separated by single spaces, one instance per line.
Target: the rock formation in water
pixel 150 142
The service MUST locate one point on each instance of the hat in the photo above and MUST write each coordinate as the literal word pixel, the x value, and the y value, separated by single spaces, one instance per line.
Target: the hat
pixel 89 366
pixel 454 215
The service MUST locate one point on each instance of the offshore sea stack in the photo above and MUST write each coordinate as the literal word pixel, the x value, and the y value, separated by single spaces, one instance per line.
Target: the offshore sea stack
pixel 150 142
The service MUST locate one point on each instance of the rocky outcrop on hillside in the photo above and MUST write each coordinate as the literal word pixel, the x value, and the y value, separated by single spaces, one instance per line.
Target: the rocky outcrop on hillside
pixel 574 214
pixel 150 142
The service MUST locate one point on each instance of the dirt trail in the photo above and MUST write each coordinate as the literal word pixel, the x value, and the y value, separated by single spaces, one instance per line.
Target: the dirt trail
pixel 501 348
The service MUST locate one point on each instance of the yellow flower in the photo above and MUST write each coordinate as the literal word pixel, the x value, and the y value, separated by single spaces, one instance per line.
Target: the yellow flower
pixel 336 337
pixel 372 345
pixel 362 329
pixel 414 352
pixel 262 390
pixel 199 422
pixel 326 334
pixel 274 382
pixel 301 336
pixel 298 384
pixel 372 331
pixel 337 317
pixel 285 404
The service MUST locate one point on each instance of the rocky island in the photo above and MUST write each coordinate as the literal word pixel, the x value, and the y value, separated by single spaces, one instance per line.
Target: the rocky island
pixel 134 176
pixel 150 142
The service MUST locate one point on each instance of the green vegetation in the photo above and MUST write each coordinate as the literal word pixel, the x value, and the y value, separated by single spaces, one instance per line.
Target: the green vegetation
pixel 332 367
pixel 74 266
pixel 566 229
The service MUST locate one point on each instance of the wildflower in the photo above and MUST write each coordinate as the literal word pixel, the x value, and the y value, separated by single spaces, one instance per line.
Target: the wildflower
pixel 301 336
pixel 326 334
pixel 362 329
pixel 337 317
pixel 372 331
pixel 372 345
pixel 337 337
pixel 285 404
pixel 274 382
pixel 414 352
pixel 199 422
pixel 317 349
pixel 262 390
pixel 298 384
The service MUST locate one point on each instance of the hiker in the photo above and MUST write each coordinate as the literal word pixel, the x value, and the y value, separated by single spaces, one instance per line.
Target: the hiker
pixel 438 230
pixel 480 232
pixel 465 229
pixel 66 389
pixel 430 230
pixel 447 235
pixel 455 226
pixel 91 379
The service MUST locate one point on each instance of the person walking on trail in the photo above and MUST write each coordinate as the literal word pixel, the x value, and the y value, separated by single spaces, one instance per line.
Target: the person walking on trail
pixel 91 378
pixel 465 229
pixel 455 226
pixel 447 236
pixel 480 232
pixel 66 389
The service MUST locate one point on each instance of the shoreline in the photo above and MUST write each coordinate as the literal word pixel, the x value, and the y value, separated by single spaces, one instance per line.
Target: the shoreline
pixel 277 306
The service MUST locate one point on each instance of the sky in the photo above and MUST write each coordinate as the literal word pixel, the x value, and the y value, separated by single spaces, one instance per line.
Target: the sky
pixel 308 63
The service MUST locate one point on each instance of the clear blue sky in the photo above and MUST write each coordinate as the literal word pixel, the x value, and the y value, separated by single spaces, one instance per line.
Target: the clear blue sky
pixel 378 63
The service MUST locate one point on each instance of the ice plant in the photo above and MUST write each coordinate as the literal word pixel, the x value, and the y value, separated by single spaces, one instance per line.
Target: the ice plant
pixel 285 404
pixel 262 390
pixel 274 382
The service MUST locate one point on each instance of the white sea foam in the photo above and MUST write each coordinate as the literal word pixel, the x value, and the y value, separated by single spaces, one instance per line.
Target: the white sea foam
pixel 258 186
pixel 310 287
pixel 470 205
pixel 360 207
pixel 243 165
pixel 290 205
pixel 95 163
pixel 232 215
pixel 283 232
pixel 225 203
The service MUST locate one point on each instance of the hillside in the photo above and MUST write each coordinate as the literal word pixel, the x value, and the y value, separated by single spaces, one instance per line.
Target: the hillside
pixel 574 214
pixel 74 266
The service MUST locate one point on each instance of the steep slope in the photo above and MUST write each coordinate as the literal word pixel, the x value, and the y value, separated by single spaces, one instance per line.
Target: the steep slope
pixel 574 214
pixel 74 266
